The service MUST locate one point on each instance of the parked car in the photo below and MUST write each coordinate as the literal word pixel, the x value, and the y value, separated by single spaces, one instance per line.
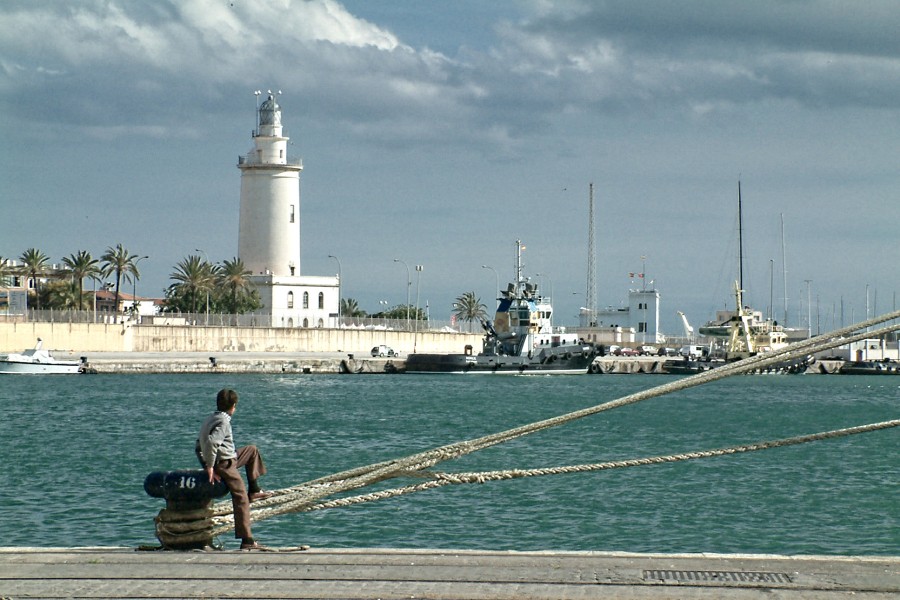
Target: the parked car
pixel 383 350
pixel 647 350
pixel 627 352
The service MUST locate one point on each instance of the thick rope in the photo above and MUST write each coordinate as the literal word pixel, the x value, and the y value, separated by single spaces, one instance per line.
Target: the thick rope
pixel 304 496
pixel 442 479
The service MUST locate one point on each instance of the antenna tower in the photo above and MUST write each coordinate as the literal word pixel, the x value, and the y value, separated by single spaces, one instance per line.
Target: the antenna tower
pixel 591 296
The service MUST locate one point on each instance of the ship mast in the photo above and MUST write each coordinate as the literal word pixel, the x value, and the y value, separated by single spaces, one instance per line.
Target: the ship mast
pixel 519 279
pixel 740 240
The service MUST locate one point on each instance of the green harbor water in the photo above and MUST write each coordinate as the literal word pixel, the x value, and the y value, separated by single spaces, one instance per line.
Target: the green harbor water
pixel 78 449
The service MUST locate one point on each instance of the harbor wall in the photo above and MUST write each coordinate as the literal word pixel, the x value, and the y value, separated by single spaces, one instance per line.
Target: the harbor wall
pixel 124 337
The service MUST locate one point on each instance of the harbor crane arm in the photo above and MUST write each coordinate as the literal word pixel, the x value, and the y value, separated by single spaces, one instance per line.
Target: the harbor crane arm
pixel 688 330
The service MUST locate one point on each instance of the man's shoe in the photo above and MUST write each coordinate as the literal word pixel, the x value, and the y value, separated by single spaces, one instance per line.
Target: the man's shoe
pixel 260 495
pixel 254 545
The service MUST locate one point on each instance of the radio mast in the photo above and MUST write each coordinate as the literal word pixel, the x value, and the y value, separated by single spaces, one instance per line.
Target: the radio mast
pixel 591 295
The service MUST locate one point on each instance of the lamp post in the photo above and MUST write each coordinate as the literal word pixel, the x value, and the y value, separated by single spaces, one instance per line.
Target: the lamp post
pixel 207 288
pixel 134 277
pixel 808 310
pixel 419 269
pixel 384 305
pixel 340 283
pixel 497 277
pixel 408 285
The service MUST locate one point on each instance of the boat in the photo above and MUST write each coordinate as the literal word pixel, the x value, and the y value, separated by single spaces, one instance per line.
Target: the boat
pixel 871 367
pixel 519 341
pixel 744 332
pixel 38 361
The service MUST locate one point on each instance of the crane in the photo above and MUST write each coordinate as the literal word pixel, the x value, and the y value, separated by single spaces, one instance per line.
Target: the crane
pixel 688 330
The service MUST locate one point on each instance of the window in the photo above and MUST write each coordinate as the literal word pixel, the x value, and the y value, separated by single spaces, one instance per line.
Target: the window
pixel 292 213
pixel 305 299
pixel 290 299
pixel 642 327
pixel 321 300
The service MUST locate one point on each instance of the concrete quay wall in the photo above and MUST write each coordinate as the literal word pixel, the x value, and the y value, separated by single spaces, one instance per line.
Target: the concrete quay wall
pixel 85 338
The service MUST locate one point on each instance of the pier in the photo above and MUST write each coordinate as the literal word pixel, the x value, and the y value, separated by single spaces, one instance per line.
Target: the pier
pixel 332 363
pixel 438 574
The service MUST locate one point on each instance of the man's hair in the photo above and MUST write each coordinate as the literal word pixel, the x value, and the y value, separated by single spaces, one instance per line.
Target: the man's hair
pixel 226 399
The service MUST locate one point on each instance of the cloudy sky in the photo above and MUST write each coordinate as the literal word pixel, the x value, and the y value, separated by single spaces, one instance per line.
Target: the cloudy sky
pixel 439 133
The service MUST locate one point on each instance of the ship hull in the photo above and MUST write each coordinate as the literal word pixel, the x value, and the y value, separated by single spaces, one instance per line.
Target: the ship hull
pixel 565 363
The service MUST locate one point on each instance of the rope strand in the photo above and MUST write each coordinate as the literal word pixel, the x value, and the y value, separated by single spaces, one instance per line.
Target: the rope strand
pixel 310 495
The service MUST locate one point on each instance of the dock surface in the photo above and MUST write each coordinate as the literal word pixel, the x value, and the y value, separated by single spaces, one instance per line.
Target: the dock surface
pixel 438 574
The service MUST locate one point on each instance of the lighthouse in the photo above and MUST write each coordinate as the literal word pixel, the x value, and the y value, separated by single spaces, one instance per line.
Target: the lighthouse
pixel 269 229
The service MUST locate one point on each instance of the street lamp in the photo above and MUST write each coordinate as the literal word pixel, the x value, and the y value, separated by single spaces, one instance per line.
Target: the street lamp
pixel 419 269
pixel 134 277
pixel 384 305
pixel 497 277
pixel 340 283
pixel 207 287
pixel 408 285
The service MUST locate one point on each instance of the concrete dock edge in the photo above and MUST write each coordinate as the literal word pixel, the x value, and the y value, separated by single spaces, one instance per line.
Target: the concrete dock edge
pixel 439 574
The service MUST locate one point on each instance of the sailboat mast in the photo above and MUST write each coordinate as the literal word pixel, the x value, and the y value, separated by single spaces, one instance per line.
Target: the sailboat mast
pixel 740 240
pixel 784 272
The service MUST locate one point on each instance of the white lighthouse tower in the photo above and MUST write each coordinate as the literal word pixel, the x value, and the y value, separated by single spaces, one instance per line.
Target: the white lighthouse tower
pixel 269 232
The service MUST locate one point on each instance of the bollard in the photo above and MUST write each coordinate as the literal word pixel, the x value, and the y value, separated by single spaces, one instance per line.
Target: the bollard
pixel 186 521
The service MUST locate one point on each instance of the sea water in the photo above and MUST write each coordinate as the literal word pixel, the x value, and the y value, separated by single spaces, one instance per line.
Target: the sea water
pixel 77 450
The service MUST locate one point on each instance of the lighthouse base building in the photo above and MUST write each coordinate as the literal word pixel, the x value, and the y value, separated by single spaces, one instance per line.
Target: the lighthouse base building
pixel 269 233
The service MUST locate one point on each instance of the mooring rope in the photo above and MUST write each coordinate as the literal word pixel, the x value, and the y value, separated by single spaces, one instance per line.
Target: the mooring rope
pixel 308 496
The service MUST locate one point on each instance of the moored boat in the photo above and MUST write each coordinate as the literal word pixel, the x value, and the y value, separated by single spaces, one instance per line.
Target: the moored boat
pixel 871 367
pixel 520 340
pixel 37 361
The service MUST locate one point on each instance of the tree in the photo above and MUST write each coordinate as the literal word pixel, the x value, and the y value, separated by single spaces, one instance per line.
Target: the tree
pixel 82 265
pixel 468 307
pixel 34 263
pixel 195 278
pixel 350 308
pixel 120 261
pixel 60 294
pixel 400 312
pixel 6 271
pixel 239 296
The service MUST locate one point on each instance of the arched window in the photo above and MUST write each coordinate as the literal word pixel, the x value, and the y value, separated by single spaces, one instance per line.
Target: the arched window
pixel 321 324
pixel 305 299
pixel 321 300
pixel 290 299
pixel 290 322
pixel 305 323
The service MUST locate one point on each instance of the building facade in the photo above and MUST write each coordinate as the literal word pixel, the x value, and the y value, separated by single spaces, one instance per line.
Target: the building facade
pixel 269 231
pixel 638 323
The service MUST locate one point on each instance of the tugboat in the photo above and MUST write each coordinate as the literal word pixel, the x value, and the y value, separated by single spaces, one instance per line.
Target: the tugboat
pixel 519 341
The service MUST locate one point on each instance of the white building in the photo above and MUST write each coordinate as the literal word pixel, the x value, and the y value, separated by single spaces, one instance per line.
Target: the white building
pixel 638 323
pixel 269 233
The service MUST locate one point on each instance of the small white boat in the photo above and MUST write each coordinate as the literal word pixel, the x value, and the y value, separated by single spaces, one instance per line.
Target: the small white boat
pixel 38 361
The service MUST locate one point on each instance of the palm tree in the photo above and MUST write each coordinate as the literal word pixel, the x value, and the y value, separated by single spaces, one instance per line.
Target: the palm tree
pixel 350 308
pixel 34 263
pixel 120 261
pixel 194 275
pixel 6 271
pixel 233 276
pixel 82 265
pixel 468 307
